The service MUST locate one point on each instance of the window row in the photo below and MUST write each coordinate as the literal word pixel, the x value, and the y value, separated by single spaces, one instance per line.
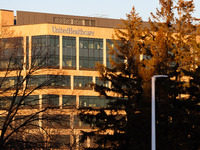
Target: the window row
pixel 61 81
pixel 45 51
pixel 47 121
pixel 52 101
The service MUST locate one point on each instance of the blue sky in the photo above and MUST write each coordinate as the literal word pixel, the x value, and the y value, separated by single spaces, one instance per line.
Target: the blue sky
pixel 94 8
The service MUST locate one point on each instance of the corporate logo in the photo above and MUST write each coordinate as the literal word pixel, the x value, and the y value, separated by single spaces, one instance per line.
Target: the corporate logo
pixel 72 31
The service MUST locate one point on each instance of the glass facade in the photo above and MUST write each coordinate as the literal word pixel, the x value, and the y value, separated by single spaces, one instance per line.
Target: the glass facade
pixel 69 51
pixel 59 141
pixel 109 56
pixel 11 55
pixel 31 102
pixel 78 123
pixel 49 80
pixel 11 82
pixel 100 82
pixel 5 102
pixel 33 123
pixel 82 82
pixel 92 101
pixel 50 101
pixel 90 52
pixel 45 51
pixel 56 121
pixel 68 100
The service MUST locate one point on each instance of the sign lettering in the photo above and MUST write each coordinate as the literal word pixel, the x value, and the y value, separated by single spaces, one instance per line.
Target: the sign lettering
pixel 72 31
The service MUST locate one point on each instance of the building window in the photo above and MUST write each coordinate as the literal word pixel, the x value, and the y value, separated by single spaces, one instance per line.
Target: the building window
pixel 49 80
pixel 45 51
pixel 69 51
pixel 50 101
pixel 100 82
pixel 60 141
pixel 37 80
pixel 23 102
pixel 77 21
pixel 12 54
pixel 56 121
pixel 109 56
pixel 68 101
pixel 87 22
pixel 82 82
pixel 31 102
pixel 59 80
pixel 93 23
pixel 92 101
pixel 5 102
pixel 31 122
pixel 11 82
pixel 90 52
pixel 78 123
pixel 60 20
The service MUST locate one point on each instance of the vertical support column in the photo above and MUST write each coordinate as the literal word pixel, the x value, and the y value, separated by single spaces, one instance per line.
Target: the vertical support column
pixel 77 101
pixel 93 79
pixel 60 51
pixel 104 52
pixel 40 107
pixel 24 47
pixel 72 136
pixel 30 51
pixel 24 62
pixel 77 53
pixel 40 102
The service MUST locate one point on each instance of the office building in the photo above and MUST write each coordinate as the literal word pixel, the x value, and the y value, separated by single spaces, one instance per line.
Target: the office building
pixel 67 47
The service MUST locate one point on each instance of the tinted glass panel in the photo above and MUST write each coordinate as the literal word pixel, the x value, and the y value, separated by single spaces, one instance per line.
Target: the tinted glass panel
pixel 109 56
pixel 49 80
pixel 68 100
pixel 92 101
pixel 11 55
pixel 45 51
pixel 82 81
pixel 69 51
pixel 91 52
pixel 50 101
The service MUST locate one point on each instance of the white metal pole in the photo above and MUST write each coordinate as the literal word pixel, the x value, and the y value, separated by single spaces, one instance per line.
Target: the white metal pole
pixel 153 117
pixel 153 111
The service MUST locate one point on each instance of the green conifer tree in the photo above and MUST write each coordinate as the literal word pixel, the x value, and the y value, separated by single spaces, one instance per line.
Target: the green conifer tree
pixel 167 46
pixel 119 123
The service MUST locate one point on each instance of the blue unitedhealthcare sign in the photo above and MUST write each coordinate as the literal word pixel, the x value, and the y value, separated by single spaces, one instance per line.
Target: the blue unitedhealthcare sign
pixel 72 31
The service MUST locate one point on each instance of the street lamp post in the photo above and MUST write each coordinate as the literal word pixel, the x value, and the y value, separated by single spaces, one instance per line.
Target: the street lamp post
pixel 153 111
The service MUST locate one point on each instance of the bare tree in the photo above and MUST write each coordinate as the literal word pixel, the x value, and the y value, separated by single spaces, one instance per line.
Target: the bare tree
pixel 22 113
